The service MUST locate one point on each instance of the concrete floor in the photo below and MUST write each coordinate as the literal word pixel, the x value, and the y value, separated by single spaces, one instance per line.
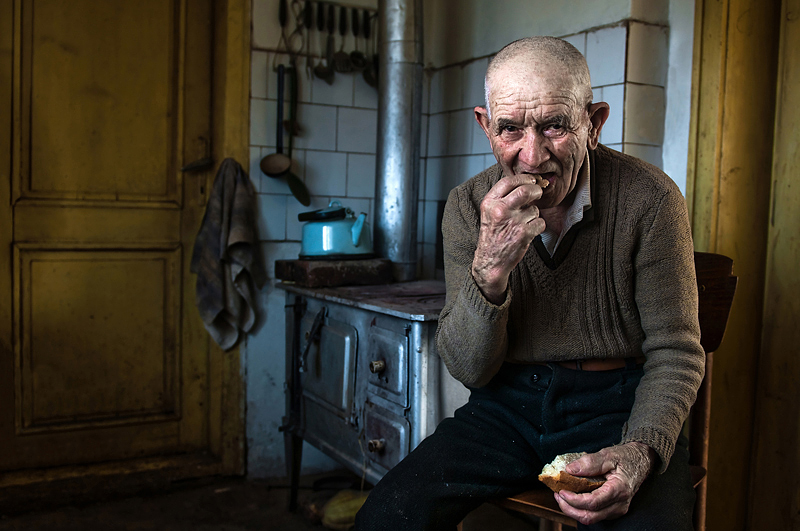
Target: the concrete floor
pixel 220 504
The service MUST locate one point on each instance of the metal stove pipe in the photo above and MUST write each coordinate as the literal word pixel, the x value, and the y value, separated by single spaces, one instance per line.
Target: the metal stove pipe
pixel 399 117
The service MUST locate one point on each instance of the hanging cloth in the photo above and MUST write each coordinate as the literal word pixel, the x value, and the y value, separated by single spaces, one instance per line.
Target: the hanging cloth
pixel 226 258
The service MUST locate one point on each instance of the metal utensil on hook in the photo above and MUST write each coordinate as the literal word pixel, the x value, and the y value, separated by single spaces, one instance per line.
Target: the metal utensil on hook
pixel 357 59
pixel 308 22
pixel 371 71
pixel 325 72
pixel 341 60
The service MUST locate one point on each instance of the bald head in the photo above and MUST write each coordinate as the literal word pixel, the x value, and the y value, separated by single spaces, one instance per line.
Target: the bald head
pixel 550 59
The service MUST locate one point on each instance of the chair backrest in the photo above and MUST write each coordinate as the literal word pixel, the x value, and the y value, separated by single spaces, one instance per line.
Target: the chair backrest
pixel 716 286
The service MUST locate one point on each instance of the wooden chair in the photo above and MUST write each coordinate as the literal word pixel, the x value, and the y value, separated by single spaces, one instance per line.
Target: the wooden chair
pixel 716 286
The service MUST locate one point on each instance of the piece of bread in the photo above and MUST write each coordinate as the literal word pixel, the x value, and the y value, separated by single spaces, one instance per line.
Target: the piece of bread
pixel 554 476
pixel 541 181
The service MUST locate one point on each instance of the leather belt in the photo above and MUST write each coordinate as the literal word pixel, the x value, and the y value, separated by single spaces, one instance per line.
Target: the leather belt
pixel 607 364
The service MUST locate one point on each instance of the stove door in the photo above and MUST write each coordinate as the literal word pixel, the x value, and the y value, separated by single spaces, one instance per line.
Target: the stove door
pixel 387 356
pixel 387 436
pixel 330 365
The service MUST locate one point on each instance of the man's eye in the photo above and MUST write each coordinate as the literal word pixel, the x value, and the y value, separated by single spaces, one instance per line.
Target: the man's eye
pixel 555 130
pixel 509 129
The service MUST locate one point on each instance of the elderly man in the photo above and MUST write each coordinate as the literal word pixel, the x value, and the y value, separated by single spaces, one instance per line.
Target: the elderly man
pixel 571 316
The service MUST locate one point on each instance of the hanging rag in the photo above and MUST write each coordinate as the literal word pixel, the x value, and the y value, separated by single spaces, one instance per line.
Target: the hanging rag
pixel 226 257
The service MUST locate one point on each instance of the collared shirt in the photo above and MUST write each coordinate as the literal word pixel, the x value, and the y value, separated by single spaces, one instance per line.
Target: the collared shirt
pixel 583 201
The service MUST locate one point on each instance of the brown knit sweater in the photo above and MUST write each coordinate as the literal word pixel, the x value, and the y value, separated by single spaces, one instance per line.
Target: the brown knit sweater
pixel 622 283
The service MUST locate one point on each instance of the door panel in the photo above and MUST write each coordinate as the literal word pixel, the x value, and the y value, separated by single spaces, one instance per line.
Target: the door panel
pixel 65 380
pixel 100 86
pixel 109 360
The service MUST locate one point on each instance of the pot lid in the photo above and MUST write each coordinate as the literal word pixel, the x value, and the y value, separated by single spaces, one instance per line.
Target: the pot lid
pixel 330 213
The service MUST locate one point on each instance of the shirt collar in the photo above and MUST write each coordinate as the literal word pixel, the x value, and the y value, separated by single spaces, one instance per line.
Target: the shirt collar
pixel 583 201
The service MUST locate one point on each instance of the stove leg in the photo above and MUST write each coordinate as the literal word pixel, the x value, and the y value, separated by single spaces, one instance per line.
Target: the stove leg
pixel 293 446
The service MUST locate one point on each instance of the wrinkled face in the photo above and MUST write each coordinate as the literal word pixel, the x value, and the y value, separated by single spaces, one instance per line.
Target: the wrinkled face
pixel 538 126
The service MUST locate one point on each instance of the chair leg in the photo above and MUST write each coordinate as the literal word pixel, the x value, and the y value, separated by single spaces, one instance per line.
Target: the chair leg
pixel 547 525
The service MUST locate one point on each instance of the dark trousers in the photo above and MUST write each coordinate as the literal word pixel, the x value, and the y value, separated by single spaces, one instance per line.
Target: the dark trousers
pixel 496 445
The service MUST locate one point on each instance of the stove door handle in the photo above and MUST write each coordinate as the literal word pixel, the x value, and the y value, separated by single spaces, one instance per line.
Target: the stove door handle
pixel 313 336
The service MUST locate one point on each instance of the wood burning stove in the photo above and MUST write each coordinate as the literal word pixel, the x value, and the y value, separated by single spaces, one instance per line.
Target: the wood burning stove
pixel 363 381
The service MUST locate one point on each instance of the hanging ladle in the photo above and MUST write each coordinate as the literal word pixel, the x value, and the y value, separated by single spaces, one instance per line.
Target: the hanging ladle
pixel 277 165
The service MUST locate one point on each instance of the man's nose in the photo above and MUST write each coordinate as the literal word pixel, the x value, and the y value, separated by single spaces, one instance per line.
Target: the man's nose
pixel 534 151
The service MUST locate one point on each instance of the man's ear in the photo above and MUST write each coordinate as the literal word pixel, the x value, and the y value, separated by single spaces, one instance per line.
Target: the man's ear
pixel 598 114
pixel 482 117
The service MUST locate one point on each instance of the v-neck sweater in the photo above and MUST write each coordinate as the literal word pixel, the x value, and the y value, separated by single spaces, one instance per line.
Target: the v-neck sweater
pixel 620 284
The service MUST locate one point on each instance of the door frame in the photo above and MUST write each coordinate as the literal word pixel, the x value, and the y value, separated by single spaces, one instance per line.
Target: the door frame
pixel 230 114
pixel 734 83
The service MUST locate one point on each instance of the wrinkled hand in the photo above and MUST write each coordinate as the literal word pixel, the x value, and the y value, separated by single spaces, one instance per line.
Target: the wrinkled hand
pixel 509 223
pixel 625 468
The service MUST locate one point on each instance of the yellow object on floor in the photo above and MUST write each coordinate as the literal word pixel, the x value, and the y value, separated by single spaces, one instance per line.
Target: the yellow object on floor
pixel 339 513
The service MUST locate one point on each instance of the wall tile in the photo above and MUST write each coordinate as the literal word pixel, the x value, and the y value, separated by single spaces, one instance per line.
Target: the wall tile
pixel 326 173
pixel 442 174
pixel 645 107
pixel 265 24
pixel 357 130
pixel 258 74
pixel 614 95
pixel 653 11
pixel 473 74
pixel 578 41
pixel 423 135
pixel 365 95
pixel 426 91
pixel 272 217
pixel 605 54
pixel 254 169
pixel 437 135
pixel 271 251
pixel 339 93
pixel 473 165
pixel 420 220
pixel 647 54
pixel 430 229
pixel 459 132
pixel 651 154
pixel 427 257
pixel 318 124
pixel 262 122
pixel 360 175
pixel 446 89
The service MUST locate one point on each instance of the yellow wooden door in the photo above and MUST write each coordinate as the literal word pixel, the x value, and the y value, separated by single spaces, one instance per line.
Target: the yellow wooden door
pixel 102 355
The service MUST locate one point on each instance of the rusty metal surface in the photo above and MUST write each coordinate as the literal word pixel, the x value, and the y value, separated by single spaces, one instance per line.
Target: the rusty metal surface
pixel 421 300
pixel 331 273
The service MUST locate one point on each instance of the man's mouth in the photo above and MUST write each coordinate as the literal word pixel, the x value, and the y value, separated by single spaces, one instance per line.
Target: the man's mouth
pixel 544 179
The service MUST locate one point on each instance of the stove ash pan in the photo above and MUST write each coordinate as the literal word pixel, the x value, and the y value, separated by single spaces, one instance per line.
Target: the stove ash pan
pixel 367 387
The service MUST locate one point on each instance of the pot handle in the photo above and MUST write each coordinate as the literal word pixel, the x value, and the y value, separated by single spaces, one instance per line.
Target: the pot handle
pixel 358 226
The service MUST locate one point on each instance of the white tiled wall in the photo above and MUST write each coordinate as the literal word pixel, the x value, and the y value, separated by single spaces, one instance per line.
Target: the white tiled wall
pixel 628 66
pixel 334 155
